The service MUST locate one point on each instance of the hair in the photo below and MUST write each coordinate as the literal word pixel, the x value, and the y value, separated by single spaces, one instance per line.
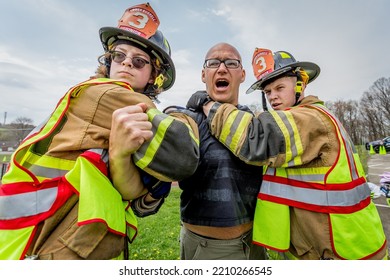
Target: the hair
pixel 103 68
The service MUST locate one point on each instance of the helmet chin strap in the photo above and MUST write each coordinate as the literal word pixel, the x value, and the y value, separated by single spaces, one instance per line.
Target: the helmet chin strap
pixel 298 91
pixel 264 101
pixel 298 86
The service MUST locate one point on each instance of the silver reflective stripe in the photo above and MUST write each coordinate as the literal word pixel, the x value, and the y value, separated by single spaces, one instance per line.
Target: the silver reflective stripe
pixel 317 197
pixel 300 177
pixel 270 171
pixel 293 146
pixel 141 152
pixel 234 127
pixel 308 178
pixel 46 172
pixel 27 204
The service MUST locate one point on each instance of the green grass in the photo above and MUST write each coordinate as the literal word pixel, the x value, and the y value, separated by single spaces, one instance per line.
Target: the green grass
pixel 158 235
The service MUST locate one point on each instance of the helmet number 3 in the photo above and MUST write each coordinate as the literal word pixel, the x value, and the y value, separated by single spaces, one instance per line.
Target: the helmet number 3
pixel 261 63
pixel 142 20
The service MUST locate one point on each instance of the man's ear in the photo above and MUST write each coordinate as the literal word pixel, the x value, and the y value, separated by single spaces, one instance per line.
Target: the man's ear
pixel 203 76
pixel 243 76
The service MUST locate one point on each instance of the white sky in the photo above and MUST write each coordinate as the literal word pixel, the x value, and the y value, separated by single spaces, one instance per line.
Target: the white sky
pixel 47 46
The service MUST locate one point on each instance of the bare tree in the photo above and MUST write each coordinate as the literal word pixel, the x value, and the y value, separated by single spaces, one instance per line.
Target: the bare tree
pixel 375 109
pixel 21 127
pixel 348 114
pixel 381 90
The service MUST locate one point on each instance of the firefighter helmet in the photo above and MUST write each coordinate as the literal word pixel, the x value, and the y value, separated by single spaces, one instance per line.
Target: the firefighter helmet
pixel 268 66
pixel 138 26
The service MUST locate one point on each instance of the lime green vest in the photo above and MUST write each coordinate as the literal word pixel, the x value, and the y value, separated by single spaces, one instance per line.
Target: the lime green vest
pixel 340 190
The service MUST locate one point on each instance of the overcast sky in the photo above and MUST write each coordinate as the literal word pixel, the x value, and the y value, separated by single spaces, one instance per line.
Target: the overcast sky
pixel 47 46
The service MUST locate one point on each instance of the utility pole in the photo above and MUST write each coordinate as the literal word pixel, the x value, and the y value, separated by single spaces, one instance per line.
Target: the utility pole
pixel 5 117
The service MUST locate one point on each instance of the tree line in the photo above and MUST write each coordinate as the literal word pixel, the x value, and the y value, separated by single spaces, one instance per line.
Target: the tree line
pixel 369 118
pixel 12 134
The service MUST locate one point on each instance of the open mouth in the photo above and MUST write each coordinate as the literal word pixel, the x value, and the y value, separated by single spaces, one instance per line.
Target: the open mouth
pixel 221 83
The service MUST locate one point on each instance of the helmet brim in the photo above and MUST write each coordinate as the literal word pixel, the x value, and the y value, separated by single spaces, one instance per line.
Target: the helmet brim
pixel 312 69
pixel 108 33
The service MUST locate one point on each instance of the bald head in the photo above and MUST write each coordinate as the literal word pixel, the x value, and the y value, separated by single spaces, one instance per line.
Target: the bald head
pixel 224 76
pixel 224 47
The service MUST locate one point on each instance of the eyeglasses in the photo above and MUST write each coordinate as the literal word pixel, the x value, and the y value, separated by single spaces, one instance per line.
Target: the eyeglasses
pixel 119 57
pixel 215 63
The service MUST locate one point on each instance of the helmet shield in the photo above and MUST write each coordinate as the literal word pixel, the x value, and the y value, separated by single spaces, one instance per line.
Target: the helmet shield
pixel 139 26
pixel 141 20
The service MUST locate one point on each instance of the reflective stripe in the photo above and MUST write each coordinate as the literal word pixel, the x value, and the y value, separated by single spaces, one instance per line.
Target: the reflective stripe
pixel 46 172
pixel 161 123
pixel 308 178
pixel 326 198
pixel 291 135
pixel 42 170
pixel 46 166
pixel 27 204
pixel 192 135
pixel 299 176
pixel 239 124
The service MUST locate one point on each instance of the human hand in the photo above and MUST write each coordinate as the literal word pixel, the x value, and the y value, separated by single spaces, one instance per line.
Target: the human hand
pixel 197 100
pixel 130 128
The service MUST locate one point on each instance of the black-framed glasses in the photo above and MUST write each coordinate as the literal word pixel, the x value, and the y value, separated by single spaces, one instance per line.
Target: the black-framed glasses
pixel 119 57
pixel 215 63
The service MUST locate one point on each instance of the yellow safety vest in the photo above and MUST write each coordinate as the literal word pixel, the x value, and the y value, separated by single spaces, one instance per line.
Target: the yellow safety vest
pixel 36 186
pixel 356 229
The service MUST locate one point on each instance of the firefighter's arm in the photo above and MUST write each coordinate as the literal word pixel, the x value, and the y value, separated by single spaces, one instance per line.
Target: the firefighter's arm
pixel 275 138
pixel 247 137
pixel 172 153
